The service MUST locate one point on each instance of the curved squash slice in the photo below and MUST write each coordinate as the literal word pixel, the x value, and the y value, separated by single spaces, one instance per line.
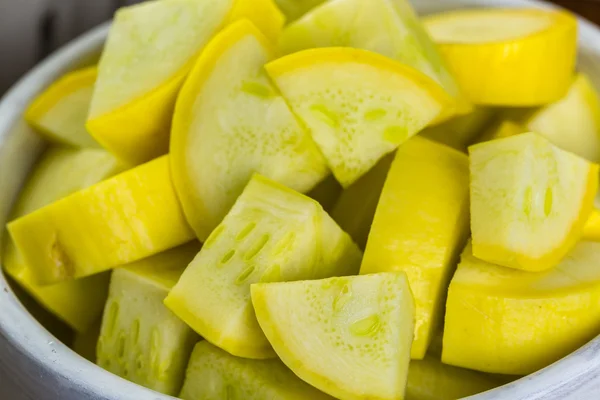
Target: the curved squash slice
pixel 349 337
pixel 529 201
pixel 229 123
pixel 271 234
pixel 358 105
pixel 150 49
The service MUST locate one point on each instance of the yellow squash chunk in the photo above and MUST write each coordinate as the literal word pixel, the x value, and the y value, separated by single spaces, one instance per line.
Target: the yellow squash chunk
pixel 355 209
pixel 461 131
pixel 349 337
pixel 502 128
pixel 388 27
pixel 229 123
pixel 149 51
pixel 60 172
pixel 60 112
pixel 497 54
pixel 430 379
pixel 420 226
pixel 507 321
pixel 572 123
pixel 358 105
pixel 271 234
pixel 529 201
pixel 140 339
pixel 123 219
pixel 215 374
pixel 591 230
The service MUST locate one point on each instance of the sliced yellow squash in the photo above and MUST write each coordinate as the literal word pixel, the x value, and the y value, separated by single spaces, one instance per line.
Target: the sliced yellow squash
pixel 149 51
pixel 387 27
pixel 60 112
pixel 123 219
pixel 271 234
pixel 420 226
pixel 461 131
pixel 60 172
pixel 229 123
pixel 358 105
pixel 508 57
pixel 591 230
pixel 529 201
pixel 349 337
pixel 430 379
pixel 215 374
pixel 141 340
pixel 355 209
pixel 507 321
pixel 573 122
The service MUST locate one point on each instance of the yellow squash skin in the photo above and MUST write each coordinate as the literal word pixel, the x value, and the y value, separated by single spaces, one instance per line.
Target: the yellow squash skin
pixel 507 321
pixel 60 172
pixel 573 122
pixel 591 230
pixel 213 160
pixel 388 27
pixel 420 225
pixel 131 216
pixel 140 72
pixel 60 112
pixel 512 57
pixel 529 201
pixel 356 122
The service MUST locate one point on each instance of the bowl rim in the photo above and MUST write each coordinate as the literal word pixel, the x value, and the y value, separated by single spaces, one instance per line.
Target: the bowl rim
pixel 42 353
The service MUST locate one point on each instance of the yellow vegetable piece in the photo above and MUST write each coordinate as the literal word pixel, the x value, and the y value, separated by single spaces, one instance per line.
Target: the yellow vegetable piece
pixel 215 374
pixel 357 104
pixel 508 57
pixel 60 112
pixel 508 321
pixel 126 218
pixel 349 337
pixel 229 123
pixel 591 230
pixel 60 172
pixel 529 201
pixel 502 128
pixel 271 234
pixel 430 379
pixel 461 131
pixel 149 51
pixel 572 123
pixel 141 340
pixel 355 209
pixel 420 226
pixel 388 27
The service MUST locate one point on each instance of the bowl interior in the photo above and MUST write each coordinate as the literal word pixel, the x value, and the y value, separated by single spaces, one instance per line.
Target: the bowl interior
pixel 34 352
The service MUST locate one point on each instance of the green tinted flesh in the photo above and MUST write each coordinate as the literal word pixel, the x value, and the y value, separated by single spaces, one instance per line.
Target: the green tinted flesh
pixel 140 339
pixel 271 234
pixel 215 374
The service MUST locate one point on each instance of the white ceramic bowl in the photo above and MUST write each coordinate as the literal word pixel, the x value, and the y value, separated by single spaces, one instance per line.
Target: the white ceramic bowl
pixel 46 369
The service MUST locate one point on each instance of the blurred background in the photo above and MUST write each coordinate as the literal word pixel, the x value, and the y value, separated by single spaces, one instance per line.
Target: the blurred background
pixel 32 29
